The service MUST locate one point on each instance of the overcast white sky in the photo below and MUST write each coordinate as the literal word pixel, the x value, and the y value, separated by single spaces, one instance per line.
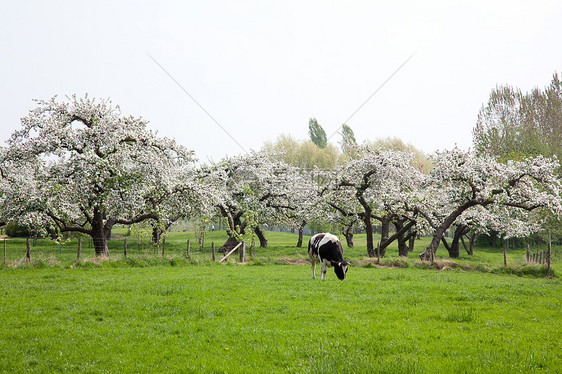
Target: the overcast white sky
pixel 262 68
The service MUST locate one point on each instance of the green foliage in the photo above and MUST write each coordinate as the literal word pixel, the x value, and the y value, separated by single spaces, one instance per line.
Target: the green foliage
pixel 16 230
pixel 513 125
pixel 141 233
pixel 420 159
pixel 268 318
pixel 348 142
pixel 317 133
pixel 201 225
pixel 303 154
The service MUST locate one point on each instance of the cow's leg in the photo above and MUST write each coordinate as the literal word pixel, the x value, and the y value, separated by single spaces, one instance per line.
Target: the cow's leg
pixel 313 269
pixel 324 269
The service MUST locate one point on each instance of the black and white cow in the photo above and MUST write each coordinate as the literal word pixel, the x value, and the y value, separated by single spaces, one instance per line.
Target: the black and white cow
pixel 326 249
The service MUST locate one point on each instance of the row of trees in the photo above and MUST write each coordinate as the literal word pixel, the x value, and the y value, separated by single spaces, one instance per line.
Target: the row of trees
pixel 515 124
pixel 80 166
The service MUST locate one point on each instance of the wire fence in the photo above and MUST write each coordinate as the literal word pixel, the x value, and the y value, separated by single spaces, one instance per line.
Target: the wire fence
pixel 17 250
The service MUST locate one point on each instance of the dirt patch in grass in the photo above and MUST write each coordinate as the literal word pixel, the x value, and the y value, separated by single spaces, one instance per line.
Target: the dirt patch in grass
pixel 293 261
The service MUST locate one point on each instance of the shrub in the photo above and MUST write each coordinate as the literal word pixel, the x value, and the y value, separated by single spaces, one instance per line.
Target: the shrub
pixel 15 230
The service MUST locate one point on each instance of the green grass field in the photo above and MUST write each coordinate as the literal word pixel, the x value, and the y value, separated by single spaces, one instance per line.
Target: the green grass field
pixel 45 252
pixel 176 315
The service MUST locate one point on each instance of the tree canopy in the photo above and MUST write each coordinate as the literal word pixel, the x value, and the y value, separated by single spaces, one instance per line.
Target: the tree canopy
pixel 79 165
pixel 317 133
pixel 302 153
pixel 514 124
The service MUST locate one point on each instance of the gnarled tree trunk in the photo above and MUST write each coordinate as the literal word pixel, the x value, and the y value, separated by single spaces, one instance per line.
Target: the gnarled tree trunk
pixel 385 233
pixel 301 230
pixel 348 233
pixel 235 226
pixel 261 237
pixel 100 233
pixel 460 231
pixel 401 238
pixel 369 231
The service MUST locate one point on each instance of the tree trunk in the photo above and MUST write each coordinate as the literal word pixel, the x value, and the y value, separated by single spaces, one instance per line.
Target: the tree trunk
pixel 400 235
pixel 230 243
pixel 412 241
pixel 402 240
pixel 301 230
pixel 454 251
pixel 473 239
pixel 235 226
pixel 440 230
pixel 156 234
pixel 369 231
pixel 100 233
pixel 261 237
pixel 385 233
pixel 348 233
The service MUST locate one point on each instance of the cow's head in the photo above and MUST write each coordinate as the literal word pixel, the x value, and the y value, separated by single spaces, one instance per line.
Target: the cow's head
pixel 340 268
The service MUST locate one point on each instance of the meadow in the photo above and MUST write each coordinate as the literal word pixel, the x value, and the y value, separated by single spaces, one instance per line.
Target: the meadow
pixel 149 313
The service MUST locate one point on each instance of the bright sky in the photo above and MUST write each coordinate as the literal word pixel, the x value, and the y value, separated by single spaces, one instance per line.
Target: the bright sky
pixel 263 68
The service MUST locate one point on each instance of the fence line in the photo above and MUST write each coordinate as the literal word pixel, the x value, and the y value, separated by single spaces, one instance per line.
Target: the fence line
pixel 75 250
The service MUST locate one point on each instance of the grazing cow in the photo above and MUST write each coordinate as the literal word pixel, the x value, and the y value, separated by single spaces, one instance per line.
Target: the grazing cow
pixel 326 249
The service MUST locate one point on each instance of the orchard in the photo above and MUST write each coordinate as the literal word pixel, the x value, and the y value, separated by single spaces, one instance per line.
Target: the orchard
pixel 79 165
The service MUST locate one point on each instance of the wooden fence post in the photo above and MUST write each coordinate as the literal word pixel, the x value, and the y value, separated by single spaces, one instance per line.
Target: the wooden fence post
pixel 188 247
pixel 163 245
pixel 125 248
pixel 213 250
pixel 243 253
pixel 28 252
pixel 548 254
pixel 505 252
pixel 528 255
pixel 4 251
pixel 79 248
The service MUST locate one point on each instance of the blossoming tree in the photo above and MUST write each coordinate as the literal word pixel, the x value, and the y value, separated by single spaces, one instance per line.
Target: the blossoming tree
pixel 254 191
pixel 83 167
pixel 461 184
pixel 377 185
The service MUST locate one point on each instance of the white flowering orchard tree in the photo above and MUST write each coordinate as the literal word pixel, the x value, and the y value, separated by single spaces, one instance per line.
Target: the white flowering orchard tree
pixel 378 184
pixel 87 168
pixel 299 203
pixel 253 191
pixel 183 195
pixel 15 173
pixel 461 184
pixel 3 173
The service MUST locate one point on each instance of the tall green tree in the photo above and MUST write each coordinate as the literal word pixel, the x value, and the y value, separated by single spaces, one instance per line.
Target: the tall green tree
pixel 348 142
pixel 513 125
pixel 317 133
pixel 419 159
pixel 302 153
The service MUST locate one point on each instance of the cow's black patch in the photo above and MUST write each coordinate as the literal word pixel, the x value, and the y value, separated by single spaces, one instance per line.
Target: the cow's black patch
pixel 330 253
